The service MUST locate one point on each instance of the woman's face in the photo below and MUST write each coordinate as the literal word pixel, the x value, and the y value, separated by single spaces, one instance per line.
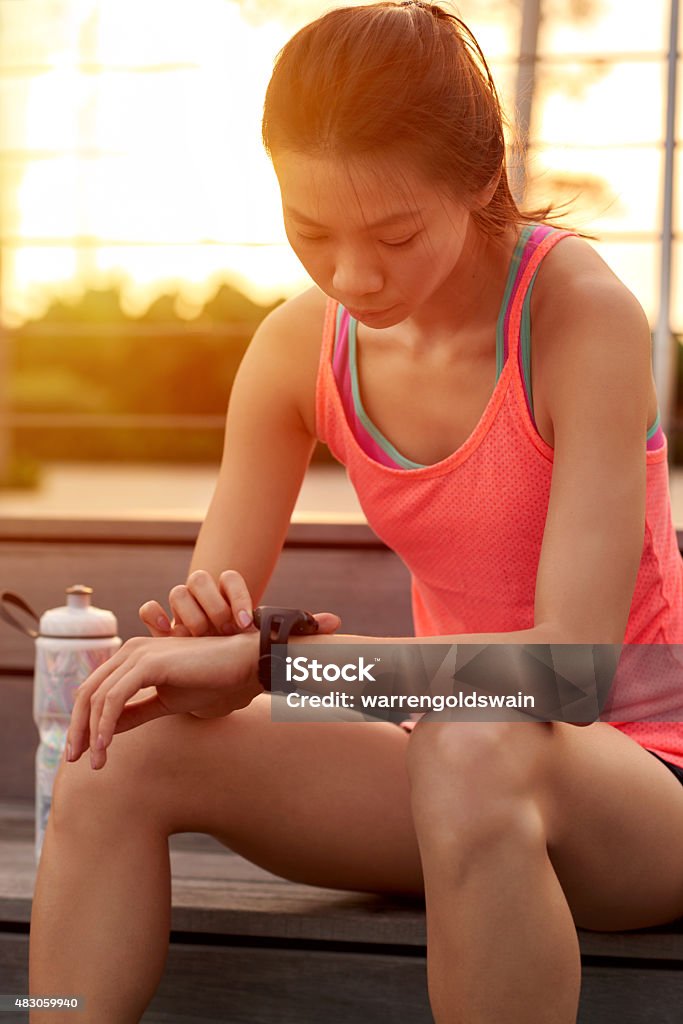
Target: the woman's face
pixel 375 236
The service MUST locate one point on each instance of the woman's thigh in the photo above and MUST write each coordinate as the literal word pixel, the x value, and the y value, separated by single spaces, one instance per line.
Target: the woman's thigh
pixel 614 818
pixel 326 803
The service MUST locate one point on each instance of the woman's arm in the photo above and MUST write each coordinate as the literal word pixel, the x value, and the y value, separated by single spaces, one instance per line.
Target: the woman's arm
pixel 599 380
pixel 266 452
pixel 269 440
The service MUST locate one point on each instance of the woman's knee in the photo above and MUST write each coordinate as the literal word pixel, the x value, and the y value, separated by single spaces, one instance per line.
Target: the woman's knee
pixel 440 749
pixel 157 770
pixel 143 765
pixel 471 780
pixel 475 751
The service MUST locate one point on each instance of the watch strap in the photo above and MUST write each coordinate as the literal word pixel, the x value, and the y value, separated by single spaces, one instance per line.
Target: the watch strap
pixel 276 625
pixel 272 676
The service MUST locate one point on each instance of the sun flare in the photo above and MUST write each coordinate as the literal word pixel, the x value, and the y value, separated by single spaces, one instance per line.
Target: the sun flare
pixel 144 167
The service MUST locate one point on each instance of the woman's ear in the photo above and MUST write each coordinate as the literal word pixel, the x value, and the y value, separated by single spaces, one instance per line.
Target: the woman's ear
pixel 486 195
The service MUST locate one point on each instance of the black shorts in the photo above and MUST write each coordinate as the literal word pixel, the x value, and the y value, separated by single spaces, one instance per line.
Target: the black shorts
pixel 678 772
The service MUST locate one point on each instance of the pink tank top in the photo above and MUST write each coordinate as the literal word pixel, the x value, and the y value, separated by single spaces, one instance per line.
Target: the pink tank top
pixel 344 359
pixel 469 528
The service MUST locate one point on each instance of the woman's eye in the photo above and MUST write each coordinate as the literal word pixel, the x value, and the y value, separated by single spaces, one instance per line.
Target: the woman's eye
pixel 396 245
pixel 310 238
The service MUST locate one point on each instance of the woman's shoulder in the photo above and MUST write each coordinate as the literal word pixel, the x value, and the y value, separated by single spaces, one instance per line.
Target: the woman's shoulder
pixel 309 304
pixel 586 321
pixel 570 269
pixel 574 285
pixel 297 324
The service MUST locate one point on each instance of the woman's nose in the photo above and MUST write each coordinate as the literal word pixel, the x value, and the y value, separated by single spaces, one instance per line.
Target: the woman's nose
pixel 354 278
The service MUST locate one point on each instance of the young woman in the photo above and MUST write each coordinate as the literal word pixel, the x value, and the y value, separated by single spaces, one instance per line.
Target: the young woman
pixel 522 476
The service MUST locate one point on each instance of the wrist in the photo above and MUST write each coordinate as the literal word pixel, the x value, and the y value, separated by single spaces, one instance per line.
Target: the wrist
pixel 276 624
pixel 250 642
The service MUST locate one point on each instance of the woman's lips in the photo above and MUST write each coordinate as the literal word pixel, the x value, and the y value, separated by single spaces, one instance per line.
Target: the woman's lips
pixel 362 314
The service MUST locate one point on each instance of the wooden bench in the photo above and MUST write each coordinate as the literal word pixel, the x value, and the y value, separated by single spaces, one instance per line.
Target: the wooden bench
pixel 247 946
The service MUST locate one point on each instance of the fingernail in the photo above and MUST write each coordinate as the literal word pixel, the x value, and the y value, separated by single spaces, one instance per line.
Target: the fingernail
pixel 163 623
pixel 244 618
pixel 92 760
pixel 100 742
pixel 69 752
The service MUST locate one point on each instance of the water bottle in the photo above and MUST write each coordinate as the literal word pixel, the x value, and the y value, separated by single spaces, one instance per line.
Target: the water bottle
pixel 71 642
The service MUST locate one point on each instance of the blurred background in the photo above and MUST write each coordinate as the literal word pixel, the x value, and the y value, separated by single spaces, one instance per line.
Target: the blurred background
pixel 141 239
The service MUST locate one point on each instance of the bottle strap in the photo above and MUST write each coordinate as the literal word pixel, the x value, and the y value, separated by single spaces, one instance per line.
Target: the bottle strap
pixel 6 598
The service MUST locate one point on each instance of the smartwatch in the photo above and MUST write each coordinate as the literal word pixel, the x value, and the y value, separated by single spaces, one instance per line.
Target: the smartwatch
pixel 276 625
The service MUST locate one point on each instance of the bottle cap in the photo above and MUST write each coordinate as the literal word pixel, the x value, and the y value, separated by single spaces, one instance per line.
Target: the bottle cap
pixel 78 618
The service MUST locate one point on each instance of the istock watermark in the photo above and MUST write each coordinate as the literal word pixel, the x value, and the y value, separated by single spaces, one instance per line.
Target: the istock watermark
pixel 304 669
pixel 579 683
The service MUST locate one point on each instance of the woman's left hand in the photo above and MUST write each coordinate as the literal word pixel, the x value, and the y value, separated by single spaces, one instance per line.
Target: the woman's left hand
pixel 206 676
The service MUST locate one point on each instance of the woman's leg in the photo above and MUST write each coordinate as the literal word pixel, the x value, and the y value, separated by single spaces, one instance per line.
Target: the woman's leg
pixel 322 803
pixel 526 830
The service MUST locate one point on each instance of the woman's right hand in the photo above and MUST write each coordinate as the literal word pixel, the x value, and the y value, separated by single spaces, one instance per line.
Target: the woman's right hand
pixel 203 607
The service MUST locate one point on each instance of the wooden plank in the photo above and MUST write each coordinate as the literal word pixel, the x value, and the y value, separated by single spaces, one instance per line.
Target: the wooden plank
pixel 662 942
pixel 327 531
pixel 18 738
pixel 122 580
pixel 135 530
pixel 119 574
pixel 215 891
pixel 630 995
pixel 149 531
pixel 368 587
pixel 281 986
pixel 14 974
pixel 204 984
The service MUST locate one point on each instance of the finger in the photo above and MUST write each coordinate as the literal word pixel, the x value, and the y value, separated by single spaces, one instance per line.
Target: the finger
pixel 328 622
pixel 139 712
pixel 78 733
pixel 177 629
pixel 107 705
pixel 216 607
pixel 188 612
pixel 155 618
pixel 238 597
pixel 98 702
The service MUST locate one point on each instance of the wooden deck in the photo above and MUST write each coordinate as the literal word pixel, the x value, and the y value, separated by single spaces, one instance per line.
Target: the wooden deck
pixel 246 946
pixel 238 932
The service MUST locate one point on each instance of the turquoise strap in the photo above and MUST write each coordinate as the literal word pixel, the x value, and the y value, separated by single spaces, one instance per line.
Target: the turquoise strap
pixel 526 343
pixel 524 237
pixel 653 429
pixel 337 329
pixel 372 430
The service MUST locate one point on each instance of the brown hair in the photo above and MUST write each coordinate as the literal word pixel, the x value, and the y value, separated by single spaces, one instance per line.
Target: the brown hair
pixel 392 78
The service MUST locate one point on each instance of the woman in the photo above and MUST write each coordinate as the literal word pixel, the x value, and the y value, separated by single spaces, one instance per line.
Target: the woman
pixel 526 489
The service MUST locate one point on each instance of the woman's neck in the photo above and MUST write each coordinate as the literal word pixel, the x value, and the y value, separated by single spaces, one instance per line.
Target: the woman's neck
pixel 470 298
